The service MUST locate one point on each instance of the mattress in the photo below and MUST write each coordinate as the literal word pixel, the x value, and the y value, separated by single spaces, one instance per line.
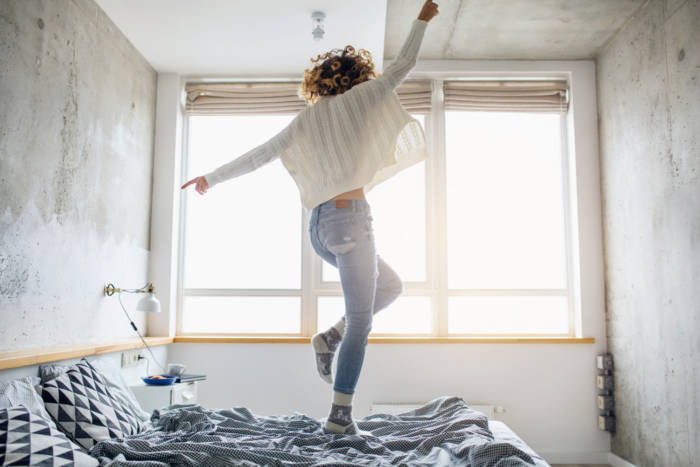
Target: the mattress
pixel 503 433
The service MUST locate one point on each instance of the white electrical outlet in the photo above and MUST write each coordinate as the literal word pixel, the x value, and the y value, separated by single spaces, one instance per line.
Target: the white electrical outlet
pixel 130 358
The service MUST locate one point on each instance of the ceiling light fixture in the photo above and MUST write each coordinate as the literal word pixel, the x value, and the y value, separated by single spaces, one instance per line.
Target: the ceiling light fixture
pixel 318 31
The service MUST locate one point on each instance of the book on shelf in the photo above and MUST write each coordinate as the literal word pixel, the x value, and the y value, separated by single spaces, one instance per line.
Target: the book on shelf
pixel 187 377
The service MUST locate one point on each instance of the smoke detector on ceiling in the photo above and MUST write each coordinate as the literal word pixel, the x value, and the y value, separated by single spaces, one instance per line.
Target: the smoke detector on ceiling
pixel 317 18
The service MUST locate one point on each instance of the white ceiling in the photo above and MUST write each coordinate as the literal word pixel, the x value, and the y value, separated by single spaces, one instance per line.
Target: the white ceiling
pixel 272 38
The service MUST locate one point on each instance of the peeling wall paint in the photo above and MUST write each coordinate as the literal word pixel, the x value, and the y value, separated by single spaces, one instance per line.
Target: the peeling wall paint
pixel 76 154
pixel 649 117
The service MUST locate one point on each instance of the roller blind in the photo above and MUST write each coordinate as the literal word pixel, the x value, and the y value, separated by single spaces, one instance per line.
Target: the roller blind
pixel 507 96
pixel 278 98
pixel 415 96
pixel 243 98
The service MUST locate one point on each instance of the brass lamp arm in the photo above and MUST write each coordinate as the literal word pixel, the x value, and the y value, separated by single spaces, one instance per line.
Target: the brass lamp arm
pixel 110 289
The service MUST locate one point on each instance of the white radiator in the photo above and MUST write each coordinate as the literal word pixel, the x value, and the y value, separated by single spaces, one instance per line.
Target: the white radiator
pixel 395 408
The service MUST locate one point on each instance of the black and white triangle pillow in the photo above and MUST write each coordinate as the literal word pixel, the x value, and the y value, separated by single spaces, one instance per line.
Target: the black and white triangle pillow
pixel 28 439
pixel 85 409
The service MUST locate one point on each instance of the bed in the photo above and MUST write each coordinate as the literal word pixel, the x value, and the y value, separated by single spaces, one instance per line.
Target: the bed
pixel 96 422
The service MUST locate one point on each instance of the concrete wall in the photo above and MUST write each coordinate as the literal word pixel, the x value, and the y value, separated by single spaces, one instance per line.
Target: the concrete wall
pixel 76 151
pixel 649 105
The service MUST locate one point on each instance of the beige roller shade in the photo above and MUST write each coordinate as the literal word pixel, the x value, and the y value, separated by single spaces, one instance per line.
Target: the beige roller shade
pixel 415 96
pixel 507 96
pixel 278 98
pixel 243 98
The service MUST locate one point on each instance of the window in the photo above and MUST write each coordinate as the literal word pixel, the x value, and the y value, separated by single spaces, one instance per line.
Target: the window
pixel 244 235
pixel 506 249
pixel 477 233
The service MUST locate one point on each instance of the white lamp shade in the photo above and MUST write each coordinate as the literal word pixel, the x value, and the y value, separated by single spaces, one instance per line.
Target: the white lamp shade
pixel 148 303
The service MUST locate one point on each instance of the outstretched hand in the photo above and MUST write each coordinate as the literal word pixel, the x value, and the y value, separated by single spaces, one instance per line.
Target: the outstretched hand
pixel 201 184
pixel 429 11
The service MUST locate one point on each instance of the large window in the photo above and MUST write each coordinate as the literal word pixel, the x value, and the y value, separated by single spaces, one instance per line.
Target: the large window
pixel 477 233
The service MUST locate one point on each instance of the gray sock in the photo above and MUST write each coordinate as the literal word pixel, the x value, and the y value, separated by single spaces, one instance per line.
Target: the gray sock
pixel 340 414
pixel 340 417
pixel 340 325
pixel 325 344
pixel 332 338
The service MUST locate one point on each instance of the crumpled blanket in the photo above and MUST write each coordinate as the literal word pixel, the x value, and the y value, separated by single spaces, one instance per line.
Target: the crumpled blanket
pixel 443 432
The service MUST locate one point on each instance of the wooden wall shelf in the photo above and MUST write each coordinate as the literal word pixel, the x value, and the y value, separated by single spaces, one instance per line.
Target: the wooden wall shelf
pixel 53 354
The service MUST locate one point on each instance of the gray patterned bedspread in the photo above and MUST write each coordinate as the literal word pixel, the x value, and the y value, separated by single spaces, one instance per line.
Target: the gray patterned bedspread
pixel 443 432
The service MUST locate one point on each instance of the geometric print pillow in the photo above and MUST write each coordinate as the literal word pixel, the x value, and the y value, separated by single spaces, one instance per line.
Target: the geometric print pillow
pixel 84 408
pixel 28 439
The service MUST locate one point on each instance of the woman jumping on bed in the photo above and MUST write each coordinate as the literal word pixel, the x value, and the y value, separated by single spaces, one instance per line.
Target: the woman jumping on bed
pixel 354 135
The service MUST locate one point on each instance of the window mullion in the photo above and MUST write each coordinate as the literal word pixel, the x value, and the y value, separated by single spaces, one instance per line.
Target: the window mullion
pixel 429 286
pixel 242 292
pixel 184 166
pixel 509 292
pixel 309 303
pixel 574 327
pixel 438 217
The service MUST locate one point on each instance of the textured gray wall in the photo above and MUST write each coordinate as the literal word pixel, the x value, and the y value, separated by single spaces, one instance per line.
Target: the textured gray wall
pixel 649 108
pixel 76 151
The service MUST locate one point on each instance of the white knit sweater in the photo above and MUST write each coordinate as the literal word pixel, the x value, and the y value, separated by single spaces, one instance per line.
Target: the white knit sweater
pixel 355 139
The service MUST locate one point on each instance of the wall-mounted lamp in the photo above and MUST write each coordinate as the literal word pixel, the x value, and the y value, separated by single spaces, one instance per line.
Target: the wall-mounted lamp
pixel 318 31
pixel 149 303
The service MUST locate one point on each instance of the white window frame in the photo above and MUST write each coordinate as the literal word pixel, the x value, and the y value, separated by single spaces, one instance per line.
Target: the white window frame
pixel 435 285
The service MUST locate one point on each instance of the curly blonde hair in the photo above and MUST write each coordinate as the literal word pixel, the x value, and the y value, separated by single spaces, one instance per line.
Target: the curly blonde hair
pixel 338 71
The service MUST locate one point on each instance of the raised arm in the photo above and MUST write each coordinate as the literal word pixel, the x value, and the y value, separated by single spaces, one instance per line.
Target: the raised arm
pixel 404 62
pixel 251 160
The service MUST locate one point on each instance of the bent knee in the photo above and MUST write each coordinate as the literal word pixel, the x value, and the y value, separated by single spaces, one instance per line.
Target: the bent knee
pixel 358 324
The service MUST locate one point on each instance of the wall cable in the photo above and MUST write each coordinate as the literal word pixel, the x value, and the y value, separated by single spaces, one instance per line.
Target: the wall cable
pixel 119 296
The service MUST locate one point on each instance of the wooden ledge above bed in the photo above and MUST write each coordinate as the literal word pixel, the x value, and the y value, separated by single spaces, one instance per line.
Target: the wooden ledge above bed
pixel 53 354
pixel 390 340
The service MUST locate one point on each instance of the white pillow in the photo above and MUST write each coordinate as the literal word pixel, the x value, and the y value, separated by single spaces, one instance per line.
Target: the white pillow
pixel 22 391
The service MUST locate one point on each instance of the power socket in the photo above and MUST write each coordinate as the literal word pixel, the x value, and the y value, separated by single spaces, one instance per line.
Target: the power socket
pixel 131 358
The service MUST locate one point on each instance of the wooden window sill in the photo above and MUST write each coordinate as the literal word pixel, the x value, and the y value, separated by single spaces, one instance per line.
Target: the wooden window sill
pixel 388 340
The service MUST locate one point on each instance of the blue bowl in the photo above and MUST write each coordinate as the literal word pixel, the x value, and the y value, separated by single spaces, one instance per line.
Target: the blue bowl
pixel 166 380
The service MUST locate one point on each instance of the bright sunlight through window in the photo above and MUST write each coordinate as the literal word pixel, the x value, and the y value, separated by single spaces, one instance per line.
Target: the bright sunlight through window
pixel 242 234
pixel 501 244
pixel 505 224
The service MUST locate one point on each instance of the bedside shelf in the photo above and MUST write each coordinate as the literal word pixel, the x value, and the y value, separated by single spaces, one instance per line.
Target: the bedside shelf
pixel 157 397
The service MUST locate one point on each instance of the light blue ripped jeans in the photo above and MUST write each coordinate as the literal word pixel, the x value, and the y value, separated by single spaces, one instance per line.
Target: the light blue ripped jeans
pixel 344 237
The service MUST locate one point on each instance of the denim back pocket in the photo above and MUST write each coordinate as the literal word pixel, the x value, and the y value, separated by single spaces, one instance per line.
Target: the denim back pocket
pixel 338 232
pixel 341 232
